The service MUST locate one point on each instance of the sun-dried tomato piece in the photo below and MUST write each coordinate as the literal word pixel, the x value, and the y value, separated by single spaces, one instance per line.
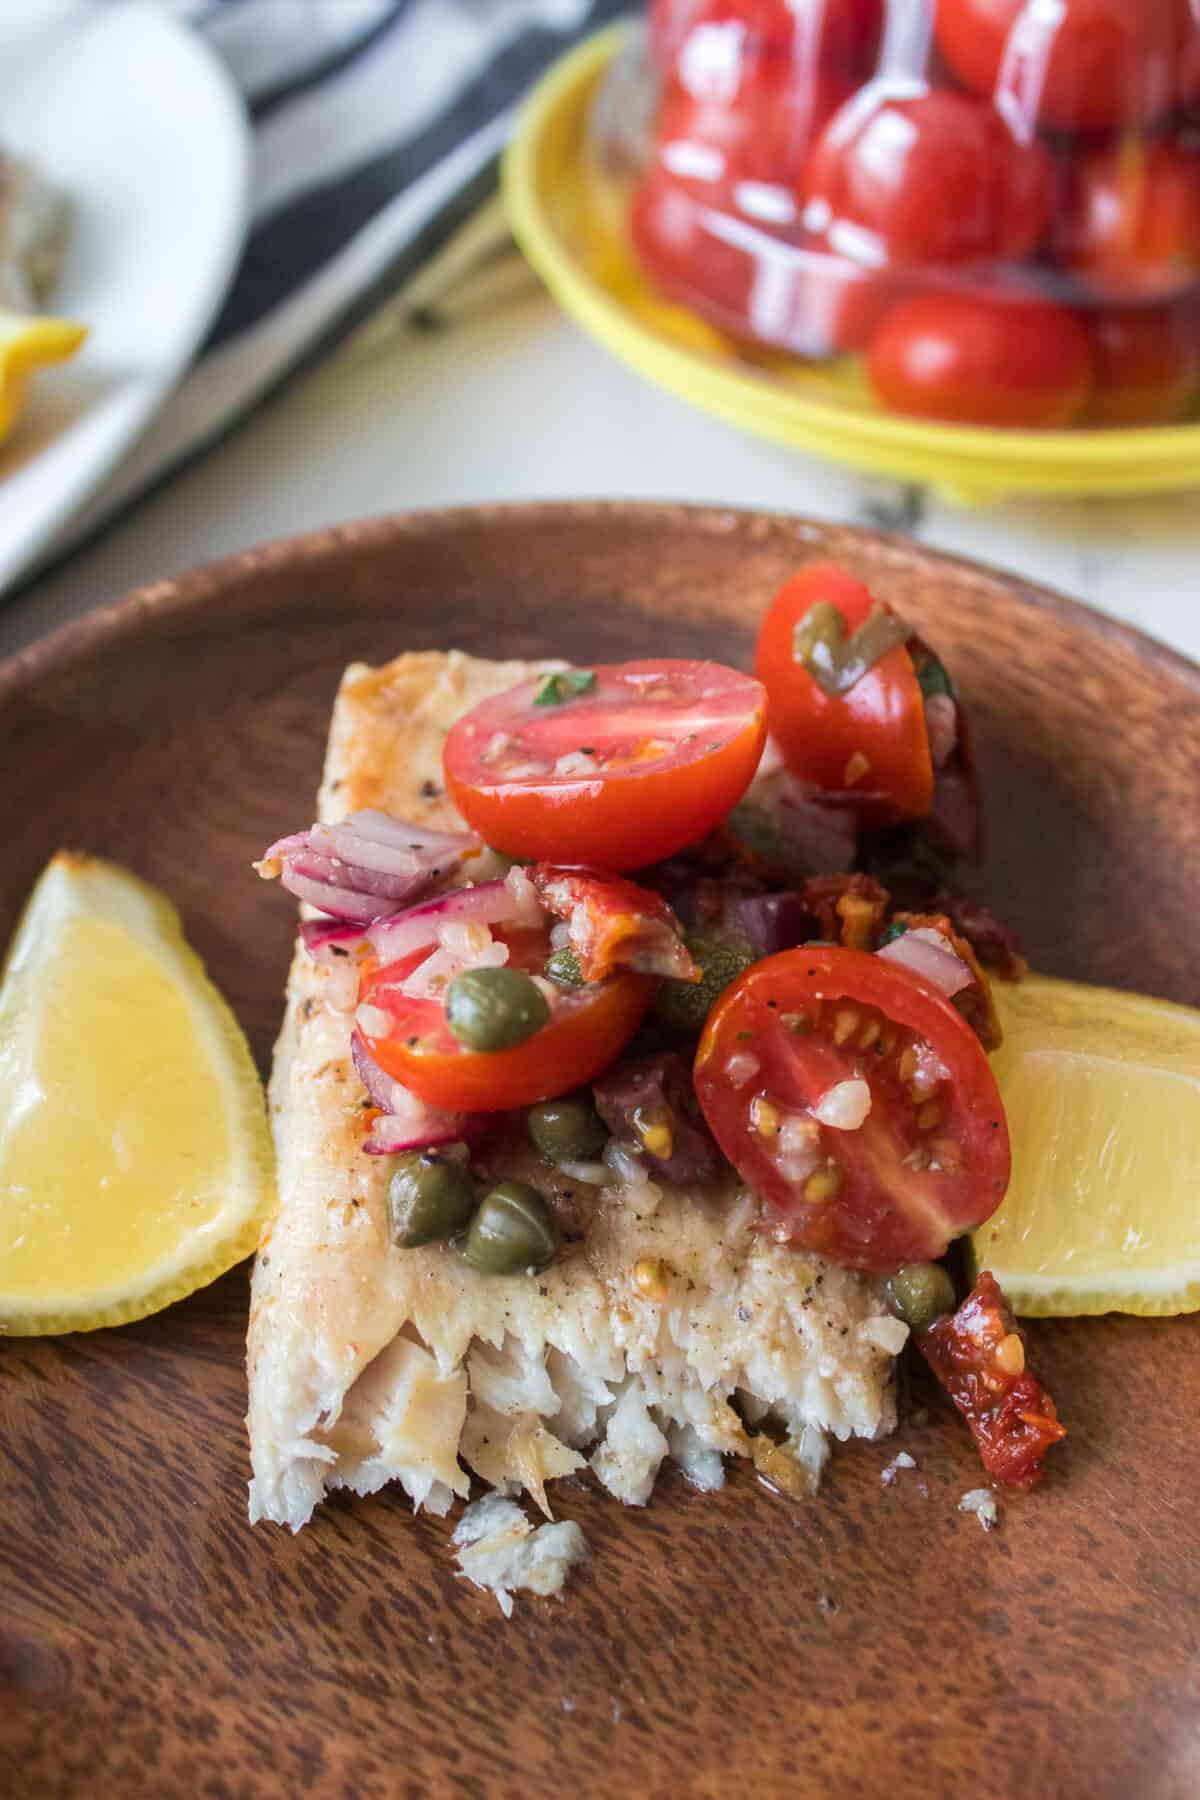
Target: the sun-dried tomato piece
pixel 979 1356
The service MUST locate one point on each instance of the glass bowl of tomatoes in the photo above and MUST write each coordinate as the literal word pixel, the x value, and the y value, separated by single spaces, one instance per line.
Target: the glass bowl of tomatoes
pixel 978 212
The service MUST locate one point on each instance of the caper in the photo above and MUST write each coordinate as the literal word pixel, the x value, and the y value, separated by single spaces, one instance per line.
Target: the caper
pixel 513 1230
pixel 493 1009
pixel 920 1294
pixel 567 1129
pixel 562 967
pixel 722 955
pixel 430 1196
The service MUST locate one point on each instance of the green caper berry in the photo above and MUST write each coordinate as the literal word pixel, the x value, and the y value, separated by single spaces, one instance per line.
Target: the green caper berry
pixel 722 955
pixel 512 1231
pixel 567 1129
pixel 920 1294
pixel 562 967
pixel 430 1196
pixel 493 1009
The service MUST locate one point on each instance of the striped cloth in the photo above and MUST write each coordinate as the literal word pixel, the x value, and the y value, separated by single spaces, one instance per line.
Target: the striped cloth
pixel 377 127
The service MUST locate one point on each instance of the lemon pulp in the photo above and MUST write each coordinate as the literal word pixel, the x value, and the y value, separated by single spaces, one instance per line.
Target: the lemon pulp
pixel 1102 1091
pixel 134 1155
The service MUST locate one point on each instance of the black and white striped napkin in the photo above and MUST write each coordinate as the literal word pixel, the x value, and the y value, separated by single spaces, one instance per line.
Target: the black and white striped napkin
pixel 377 127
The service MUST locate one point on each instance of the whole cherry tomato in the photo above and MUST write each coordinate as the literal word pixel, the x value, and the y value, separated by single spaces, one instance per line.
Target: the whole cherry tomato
pixel 760 135
pixel 792 296
pixel 975 361
pixel 868 747
pixel 1078 65
pixel 1147 362
pixel 921 181
pixel 614 767
pixel 839 34
pixel 850 1094
pixel 1129 219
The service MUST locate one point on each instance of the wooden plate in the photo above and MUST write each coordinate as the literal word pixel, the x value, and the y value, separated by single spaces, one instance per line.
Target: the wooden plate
pixel 872 1642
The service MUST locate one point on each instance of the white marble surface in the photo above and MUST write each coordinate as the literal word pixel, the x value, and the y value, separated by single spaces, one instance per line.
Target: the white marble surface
pixel 519 406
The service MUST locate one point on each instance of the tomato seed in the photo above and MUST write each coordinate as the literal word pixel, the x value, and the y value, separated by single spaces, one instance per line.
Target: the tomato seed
pixel 869 1033
pixel 929 1116
pixel 764 1117
pixel 823 1185
pixel 845 1024
pixel 1010 1355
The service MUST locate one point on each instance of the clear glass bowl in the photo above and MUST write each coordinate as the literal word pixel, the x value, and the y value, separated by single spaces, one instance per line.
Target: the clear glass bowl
pixel 992 205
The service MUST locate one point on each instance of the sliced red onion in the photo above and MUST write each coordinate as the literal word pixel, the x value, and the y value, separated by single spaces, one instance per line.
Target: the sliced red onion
pixel 926 953
pixel 392 1135
pixel 331 941
pixel 773 922
pixel 407 1123
pixel 491 903
pixel 367 867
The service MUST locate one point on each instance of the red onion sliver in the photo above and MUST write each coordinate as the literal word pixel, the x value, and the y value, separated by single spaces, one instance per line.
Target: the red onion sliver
pixel 406 1122
pixel 924 953
pixel 389 1136
pixel 491 903
pixel 387 1093
pixel 331 941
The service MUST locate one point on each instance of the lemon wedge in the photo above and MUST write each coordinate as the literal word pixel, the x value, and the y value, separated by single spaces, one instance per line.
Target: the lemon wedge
pixel 1102 1091
pixel 27 343
pixel 135 1157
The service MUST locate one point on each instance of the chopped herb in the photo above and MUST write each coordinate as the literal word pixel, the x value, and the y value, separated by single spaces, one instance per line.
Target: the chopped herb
pixel 744 1037
pixel 892 932
pixel 836 661
pixel 798 1023
pixel 557 689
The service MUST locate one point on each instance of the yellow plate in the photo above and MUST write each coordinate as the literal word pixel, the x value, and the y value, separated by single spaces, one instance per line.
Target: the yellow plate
pixel 565 230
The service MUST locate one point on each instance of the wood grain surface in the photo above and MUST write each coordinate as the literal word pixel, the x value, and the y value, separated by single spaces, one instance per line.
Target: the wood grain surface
pixel 874 1642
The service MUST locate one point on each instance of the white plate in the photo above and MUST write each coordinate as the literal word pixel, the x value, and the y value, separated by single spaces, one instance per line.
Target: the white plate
pixel 133 118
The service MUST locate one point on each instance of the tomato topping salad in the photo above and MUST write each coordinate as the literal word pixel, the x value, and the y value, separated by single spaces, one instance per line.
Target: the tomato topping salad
pixel 819 1036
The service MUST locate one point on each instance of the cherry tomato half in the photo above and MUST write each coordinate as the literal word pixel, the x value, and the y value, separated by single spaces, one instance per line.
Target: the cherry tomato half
pixel 973 361
pixel 587 1030
pixel 869 746
pixel 1090 65
pixel 891 1183
pixel 633 762
pixel 1129 222
pixel 1147 365
pixel 933 179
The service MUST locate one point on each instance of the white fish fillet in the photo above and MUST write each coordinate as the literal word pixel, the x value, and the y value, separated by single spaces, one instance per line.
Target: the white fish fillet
pixel 369 1364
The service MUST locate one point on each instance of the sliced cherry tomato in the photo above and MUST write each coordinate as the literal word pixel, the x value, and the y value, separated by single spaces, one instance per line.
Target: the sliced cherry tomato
pixel 981 362
pixel 930 1158
pixel 1129 221
pixel 933 179
pixel 588 1027
pixel 631 762
pixel 869 746
pixel 979 1355
pixel 1147 366
pixel 1090 65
